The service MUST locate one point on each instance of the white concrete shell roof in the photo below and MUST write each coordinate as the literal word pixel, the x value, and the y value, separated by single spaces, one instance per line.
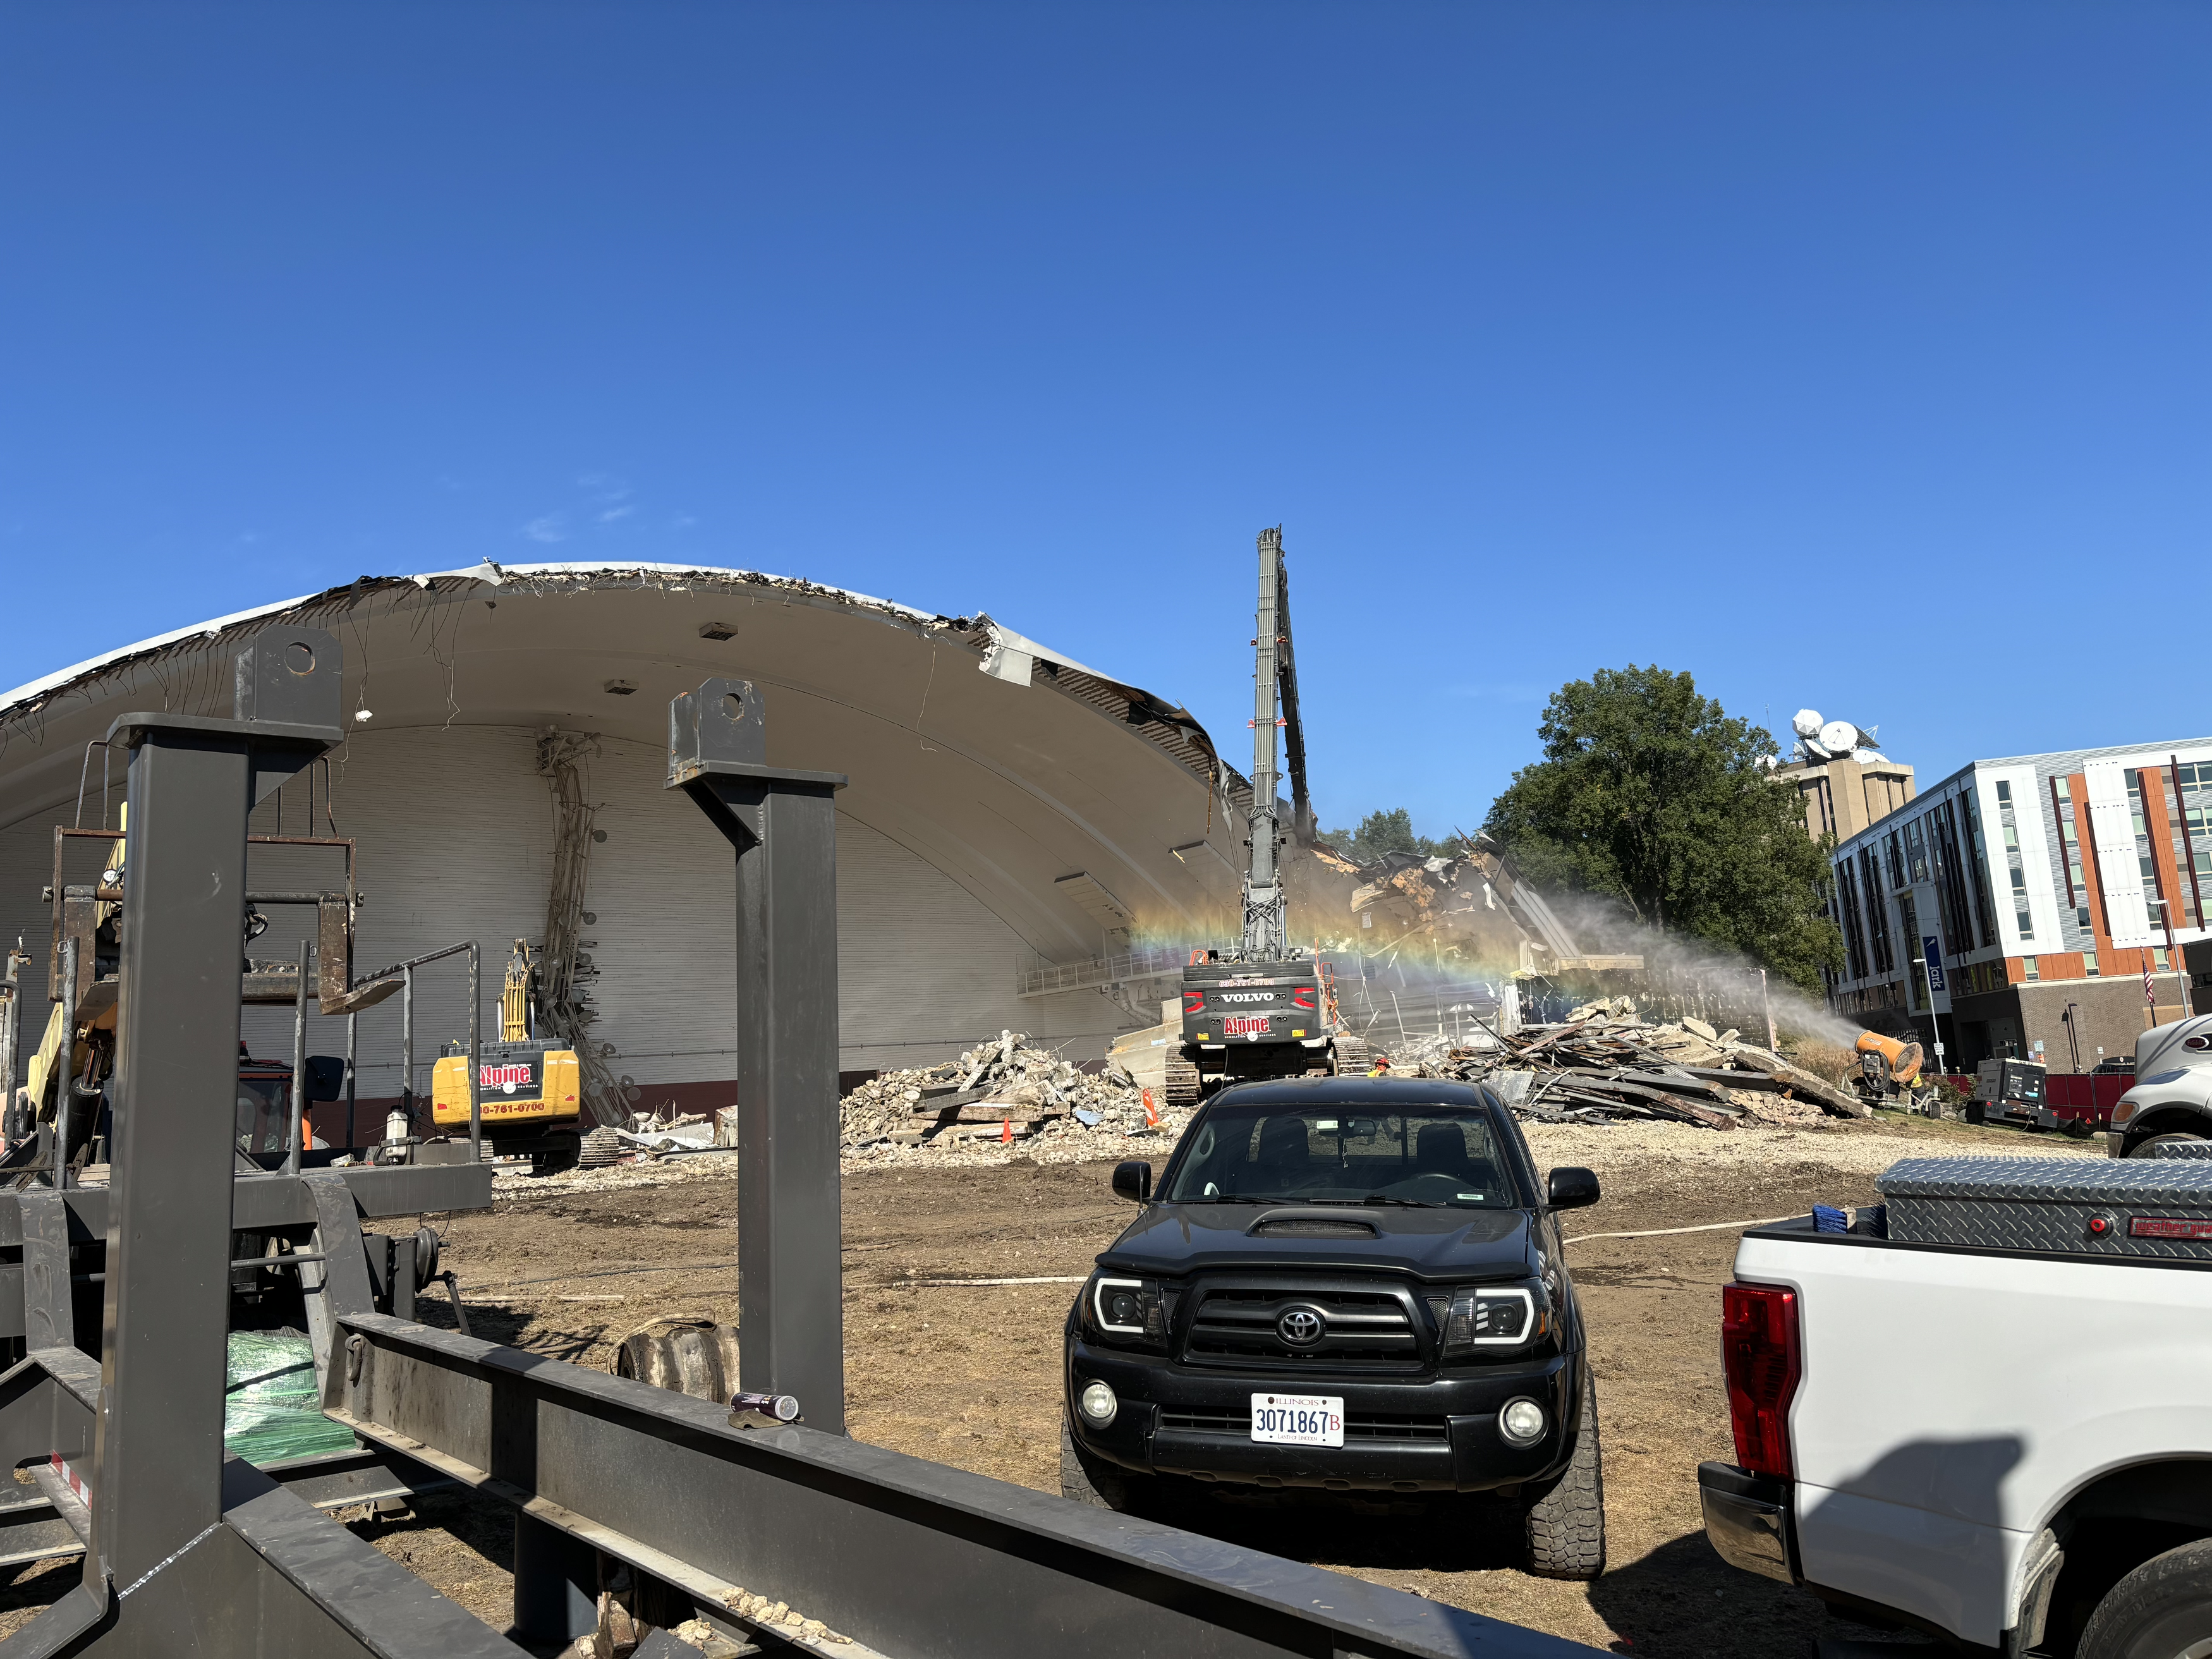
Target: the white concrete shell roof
pixel 1007 766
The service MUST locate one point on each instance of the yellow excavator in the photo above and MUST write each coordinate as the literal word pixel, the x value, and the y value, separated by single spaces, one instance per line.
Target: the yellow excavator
pixel 527 1085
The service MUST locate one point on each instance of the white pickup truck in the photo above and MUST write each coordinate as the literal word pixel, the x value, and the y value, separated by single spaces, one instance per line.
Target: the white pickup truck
pixel 1985 1412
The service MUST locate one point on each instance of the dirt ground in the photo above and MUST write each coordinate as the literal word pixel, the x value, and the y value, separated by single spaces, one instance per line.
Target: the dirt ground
pixel 970 1375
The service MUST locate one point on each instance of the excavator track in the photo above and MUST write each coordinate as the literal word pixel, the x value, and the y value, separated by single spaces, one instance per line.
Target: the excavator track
pixel 1181 1086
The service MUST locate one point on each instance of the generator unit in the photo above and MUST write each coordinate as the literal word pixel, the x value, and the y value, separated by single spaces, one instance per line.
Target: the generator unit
pixel 2011 1092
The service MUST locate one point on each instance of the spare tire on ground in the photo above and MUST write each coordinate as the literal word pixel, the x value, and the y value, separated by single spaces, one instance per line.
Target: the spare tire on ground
pixel 686 1356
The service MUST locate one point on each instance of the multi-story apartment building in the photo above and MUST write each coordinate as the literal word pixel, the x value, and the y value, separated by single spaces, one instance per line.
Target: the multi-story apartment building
pixel 2035 907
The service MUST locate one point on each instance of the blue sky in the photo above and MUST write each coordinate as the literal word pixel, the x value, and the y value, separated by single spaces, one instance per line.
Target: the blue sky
pixel 1854 356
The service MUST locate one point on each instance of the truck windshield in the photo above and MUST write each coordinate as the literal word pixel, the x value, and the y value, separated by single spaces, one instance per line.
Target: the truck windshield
pixel 1440 1154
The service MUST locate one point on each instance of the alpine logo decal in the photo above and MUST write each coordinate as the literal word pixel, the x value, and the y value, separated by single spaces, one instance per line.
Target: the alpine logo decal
pixel 506 1079
pixel 1250 1025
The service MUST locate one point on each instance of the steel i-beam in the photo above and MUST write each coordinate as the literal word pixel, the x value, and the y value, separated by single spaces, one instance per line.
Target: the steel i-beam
pixel 193 783
pixel 782 824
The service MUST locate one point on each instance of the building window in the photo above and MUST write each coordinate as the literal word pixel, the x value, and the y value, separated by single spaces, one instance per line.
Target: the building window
pixel 2158 958
pixel 1916 851
pixel 2004 791
pixel 2089 964
pixel 2029 967
pixel 2027 925
pixel 2081 918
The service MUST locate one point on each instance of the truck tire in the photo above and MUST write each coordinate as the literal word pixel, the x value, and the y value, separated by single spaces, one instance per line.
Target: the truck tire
pixel 2148 1146
pixel 1180 1086
pixel 1353 1056
pixel 2162 1610
pixel 1567 1523
pixel 1087 1479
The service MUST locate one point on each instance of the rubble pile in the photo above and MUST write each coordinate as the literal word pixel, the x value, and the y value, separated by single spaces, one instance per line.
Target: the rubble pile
pixel 1603 1062
pixel 998 1091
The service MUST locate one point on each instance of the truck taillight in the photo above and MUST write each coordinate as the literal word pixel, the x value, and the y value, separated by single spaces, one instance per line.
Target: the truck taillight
pixel 1194 1002
pixel 1760 1358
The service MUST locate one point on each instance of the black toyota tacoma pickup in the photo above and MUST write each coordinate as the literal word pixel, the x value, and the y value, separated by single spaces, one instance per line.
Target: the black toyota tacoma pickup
pixel 1352 1285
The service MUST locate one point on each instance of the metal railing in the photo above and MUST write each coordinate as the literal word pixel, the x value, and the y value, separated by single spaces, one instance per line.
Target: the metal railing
pixel 1153 962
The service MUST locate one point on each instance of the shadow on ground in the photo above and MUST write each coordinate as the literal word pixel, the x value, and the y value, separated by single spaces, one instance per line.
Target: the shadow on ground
pixel 1325 1530
pixel 1683 1601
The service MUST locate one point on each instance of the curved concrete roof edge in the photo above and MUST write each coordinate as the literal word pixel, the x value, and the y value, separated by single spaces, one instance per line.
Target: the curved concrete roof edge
pixel 487 572
pixel 91 668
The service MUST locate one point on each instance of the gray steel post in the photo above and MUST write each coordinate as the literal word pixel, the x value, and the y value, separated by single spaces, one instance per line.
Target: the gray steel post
pixel 782 824
pixel 407 1048
pixel 296 1136
pixel 11 1041
pixel 157 1486
pixel 64 1079
pixel 557 1583
pixel 353 1033
pixel 475 1053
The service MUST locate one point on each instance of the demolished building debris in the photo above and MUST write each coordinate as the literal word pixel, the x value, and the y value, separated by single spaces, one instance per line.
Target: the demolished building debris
pixel 1472 904
pixel 999 1091
pixel 1604 1062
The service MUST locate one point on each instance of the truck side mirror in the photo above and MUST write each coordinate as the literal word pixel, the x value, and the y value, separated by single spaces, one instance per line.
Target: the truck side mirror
pixel 326 1077
pixel 1570 1187
pixel 1132 1180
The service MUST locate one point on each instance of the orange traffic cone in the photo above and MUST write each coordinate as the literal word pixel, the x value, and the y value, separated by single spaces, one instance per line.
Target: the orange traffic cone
pixel 1006 1131
pixel 1152 1112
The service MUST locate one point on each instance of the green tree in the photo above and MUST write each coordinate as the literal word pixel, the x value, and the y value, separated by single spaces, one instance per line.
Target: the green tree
pixel 1654 795
pixel 1382 831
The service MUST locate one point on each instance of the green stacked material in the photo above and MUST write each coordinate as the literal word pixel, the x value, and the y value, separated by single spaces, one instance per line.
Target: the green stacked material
pixel 270 1410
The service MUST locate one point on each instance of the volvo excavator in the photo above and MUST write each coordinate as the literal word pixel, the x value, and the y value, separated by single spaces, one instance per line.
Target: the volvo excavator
pixel 1264 1008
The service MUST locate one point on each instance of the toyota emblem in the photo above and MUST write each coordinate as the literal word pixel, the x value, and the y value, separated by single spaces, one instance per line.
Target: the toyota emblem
pixel 1301 1327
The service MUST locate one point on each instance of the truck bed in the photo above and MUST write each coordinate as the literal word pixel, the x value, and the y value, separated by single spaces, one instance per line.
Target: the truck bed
pixel 1953 1397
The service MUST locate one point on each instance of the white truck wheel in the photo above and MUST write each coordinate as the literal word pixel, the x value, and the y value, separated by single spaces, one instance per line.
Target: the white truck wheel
pixel 2163 1610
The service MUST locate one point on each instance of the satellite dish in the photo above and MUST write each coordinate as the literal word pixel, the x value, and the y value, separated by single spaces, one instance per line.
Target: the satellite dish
pixel 1839 736
pixel 1807 724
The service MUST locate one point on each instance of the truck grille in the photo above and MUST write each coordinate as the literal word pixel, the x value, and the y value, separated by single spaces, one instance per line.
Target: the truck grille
pixel 1370 1429
pixel 1237 1325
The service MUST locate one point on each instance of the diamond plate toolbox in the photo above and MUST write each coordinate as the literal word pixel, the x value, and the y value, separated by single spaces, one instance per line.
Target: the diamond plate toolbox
pixel 2078 1206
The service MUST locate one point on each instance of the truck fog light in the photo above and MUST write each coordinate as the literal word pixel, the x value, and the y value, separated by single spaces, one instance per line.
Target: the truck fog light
pixel 1522 1423
pixel 1098 1404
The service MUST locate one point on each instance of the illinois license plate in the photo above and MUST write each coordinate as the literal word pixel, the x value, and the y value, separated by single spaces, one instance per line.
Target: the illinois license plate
pixel 1298 1419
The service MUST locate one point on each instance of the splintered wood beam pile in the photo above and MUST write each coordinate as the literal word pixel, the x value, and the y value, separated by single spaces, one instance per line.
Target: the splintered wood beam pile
pixel 1605 1063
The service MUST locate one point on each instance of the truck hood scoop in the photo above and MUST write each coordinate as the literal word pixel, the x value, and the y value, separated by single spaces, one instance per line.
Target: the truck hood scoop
pixel 1311 1223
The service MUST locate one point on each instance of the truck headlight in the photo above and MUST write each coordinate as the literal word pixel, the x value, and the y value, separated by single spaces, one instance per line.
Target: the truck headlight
pixel 1490 1316
pixel 1130 1310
